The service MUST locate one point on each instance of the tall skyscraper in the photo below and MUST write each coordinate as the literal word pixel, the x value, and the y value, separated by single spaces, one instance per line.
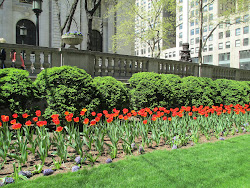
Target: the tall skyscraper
pixel 228 45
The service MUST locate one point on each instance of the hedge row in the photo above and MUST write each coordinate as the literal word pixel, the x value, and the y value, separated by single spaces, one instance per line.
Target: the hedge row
pixel 71 89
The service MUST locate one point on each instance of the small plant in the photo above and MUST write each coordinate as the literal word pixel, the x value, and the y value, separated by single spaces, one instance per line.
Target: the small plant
pixel 73 33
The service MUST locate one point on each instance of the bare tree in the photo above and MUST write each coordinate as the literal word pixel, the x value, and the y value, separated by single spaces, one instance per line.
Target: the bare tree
pixel 90 8
pixel 1 4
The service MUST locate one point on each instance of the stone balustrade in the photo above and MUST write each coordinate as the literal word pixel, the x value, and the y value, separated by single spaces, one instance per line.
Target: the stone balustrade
pixel 107 64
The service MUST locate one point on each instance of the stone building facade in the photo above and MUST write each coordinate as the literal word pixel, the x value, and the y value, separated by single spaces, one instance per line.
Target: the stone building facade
pixel 16 13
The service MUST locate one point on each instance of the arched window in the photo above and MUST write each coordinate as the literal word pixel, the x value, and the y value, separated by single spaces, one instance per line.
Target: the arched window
pixel 30 39
pixel 96 41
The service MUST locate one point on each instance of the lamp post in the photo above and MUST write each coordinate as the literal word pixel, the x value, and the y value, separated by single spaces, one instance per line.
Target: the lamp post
pixel 37 9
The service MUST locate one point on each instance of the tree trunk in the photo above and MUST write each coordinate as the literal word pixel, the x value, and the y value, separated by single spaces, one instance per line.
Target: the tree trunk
pixel 201 36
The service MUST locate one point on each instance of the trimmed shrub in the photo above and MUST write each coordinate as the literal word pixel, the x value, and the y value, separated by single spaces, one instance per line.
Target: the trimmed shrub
pixel 114 93
pixel 196 91
pixel 66 88
pixel 233 92
pixel 17 92
pixel 171 87
pixel 153 90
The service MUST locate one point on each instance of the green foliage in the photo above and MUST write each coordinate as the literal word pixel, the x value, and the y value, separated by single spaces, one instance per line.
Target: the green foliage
pixel 196 91
pixel 152 89
pixel 66 89
pixel 233 92
pixel 113 93
pixel 16 90
pixel 150 27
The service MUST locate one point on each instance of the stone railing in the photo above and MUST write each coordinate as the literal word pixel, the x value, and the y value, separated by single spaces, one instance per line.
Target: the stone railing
pixel 121 67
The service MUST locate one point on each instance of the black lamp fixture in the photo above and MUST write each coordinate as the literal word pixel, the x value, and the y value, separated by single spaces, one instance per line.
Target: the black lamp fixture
pixel 37 9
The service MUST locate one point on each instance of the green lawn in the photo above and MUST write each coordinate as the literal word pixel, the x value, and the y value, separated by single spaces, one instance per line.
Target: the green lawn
pixel 221 164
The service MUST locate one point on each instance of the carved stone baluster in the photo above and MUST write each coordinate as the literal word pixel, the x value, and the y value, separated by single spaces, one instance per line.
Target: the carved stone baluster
pixel 128 68
pixel 122 67
pixel 145 66
pixel 102 65
pixel 28 62
pixel 96 67
pixel 133 67
pixel 110 66
pixel 116 67
pixel 46 63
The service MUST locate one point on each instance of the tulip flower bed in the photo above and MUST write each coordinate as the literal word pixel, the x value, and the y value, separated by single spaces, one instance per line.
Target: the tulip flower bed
pixel 40 145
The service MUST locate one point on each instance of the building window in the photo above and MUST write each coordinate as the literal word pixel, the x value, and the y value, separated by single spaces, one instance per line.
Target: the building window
pixel 197 39
pixel 245 59
pixel 192 23
pixel 196 21
pixel 237 20
pixel 166 55
pixel 180 9
pixel 197 31
pixel 180 26
pixel 211 7
pixel 246 18
pixel 192 4
pixel 211 16
pixel 180 43
pixel 228 44
pixel 180 1
pixel 170 54
pixel 180 35
pixel 196 49
pixel 237 43
pixel 192 51
pixel 210 38
pixel 224 59
pixel 210 47
pixel 208 59
pixel 245 41
pixel 220 46
pixel 180 18
pixel 220 26
pixel 192 13
pixel 204 37
pixel 237 32
pixel 228 23
pixel 192 31
pixel 246 30
pixel 205 8
pixel 205 29
pixel 148 50
pixel 210 28
pixel 174 54
pixel 228 33
pixel 220 35
pixel 205 49
pixel 192 41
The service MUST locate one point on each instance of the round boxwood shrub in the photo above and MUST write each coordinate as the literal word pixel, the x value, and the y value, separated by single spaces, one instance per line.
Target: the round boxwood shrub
pixel 150 89
pixel 66 88
pixel 171 90
pixel 113 93
pixel 17 92
pixel 233 92
pixel 196 91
